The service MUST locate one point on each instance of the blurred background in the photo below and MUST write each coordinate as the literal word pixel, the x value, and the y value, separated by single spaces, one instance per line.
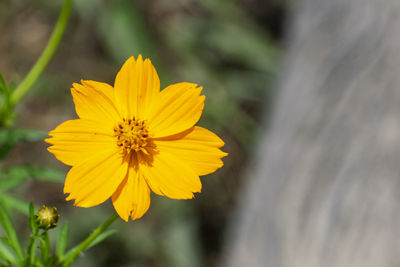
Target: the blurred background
pixel 231 47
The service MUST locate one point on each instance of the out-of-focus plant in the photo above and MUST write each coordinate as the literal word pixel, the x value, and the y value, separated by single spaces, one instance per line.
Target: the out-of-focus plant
pixel 152 130
pixel 38 251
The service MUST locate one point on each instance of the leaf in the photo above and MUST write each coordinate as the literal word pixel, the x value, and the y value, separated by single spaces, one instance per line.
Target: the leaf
pixel 13 182
pixel 14 176
pixel 98 234
pixel 44 174
pixel 78 249
pixel 130 34
pixel 19 135
pixel 3 85
pixel 13 203
pixel 9 138
pixel 62 242
pixel 7 253
pixel 6 111
pixel 101 237
pixel 10 231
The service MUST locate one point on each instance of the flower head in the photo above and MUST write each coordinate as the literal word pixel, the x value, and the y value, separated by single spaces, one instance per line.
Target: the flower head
pixel 47 217
pixel 132 138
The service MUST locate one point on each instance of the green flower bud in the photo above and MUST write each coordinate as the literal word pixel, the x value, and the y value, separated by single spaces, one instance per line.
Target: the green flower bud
pixel 47 217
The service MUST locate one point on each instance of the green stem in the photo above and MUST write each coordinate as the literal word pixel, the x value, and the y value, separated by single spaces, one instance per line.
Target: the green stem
pixel 74 253
pixel 46 55
pixel 31 251
pixel 45 247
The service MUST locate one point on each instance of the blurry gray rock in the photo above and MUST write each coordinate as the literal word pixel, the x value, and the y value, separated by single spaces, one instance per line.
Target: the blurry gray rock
pixel 324 187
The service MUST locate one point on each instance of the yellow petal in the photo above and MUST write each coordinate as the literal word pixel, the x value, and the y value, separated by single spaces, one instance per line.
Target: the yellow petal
pixel 169 176
pixel 197 146
pixel 179 108
pixel 132 198
pixel 95 101
pixel 95 180
pixel 136 88
pixel 75 141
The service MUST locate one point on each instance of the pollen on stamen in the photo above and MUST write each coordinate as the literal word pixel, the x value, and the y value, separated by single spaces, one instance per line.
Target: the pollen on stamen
pixel 132 135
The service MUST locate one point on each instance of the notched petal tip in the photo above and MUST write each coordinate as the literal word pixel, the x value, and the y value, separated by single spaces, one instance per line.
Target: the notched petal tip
pixel 77 87
pixel 50 149
pixel 86 83
pixel 130 60
pixel 135 214
pixel 69 197
pixel 78 90
pixel 199 89
pixel 77 202
pixel 191 196
pixel 196 192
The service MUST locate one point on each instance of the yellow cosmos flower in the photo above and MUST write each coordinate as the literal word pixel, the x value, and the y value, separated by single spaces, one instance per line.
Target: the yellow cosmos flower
pixel 133 138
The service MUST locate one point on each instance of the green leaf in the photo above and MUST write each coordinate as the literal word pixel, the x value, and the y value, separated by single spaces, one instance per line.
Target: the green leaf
pixel 10 231
pixel 9 138
pixel 5 241
pixel 7 253
pixel 6 110
pixel 37 263
pixel 130 33
pixel 14 176
pixel 3 85
pixel 101 237
pixel 19 135
pixel 13 203
pixel 48 175
pixel 74 252
pixel 62 242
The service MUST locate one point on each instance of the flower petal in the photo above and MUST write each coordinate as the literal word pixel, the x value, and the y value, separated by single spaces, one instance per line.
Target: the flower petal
pixel 132 198
pixel 95 180
pixel 179 108
pixel 136 88
pixel 167 175
pixel 198 147
pixel 75 141
pixel 95 101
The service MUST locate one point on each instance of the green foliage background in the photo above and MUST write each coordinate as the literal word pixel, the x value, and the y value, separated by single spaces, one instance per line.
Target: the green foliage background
pixel 229 47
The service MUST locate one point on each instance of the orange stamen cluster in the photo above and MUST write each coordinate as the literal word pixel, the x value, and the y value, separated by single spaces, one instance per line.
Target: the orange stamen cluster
pixel 132 135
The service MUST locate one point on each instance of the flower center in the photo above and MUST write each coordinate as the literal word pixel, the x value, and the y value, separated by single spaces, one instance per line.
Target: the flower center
pixel 132 135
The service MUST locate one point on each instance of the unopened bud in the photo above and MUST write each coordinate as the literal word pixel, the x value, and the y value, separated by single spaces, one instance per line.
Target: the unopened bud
pixel 47 217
